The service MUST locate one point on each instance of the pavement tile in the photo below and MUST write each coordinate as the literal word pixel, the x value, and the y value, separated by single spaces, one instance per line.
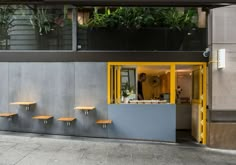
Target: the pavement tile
pixel 33 150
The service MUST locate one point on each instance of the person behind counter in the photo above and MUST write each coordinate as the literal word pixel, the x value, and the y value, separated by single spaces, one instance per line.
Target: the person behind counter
pixel 142 78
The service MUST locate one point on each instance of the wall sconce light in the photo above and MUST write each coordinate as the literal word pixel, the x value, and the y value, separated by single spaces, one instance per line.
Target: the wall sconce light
pixel 221 58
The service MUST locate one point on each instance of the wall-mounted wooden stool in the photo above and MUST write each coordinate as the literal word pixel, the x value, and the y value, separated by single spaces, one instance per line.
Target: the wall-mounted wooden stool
pixel 85 109
pixel 26 104
pixel 44 118
pixel 104 122
pixel 68 120
pixel 8 115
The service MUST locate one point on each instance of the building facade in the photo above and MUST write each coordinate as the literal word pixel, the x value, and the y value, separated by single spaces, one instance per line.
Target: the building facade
pixel 57 72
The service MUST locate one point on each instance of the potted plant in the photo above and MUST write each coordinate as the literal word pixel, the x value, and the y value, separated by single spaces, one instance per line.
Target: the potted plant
pixel 48 25
pixel 126 92
pixel 42 21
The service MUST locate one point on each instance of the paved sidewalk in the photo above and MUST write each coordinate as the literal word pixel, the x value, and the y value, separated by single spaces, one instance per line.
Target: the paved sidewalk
pixel 33 149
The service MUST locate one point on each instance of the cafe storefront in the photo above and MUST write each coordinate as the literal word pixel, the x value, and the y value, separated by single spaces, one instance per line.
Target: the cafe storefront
pixel 83 68
pixel 154 117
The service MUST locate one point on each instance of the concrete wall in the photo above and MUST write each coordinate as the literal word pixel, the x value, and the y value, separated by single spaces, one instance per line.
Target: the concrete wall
pixel 57 88
pixel 222 88
pixel 221 135
pixel 4 92
pixel 91 90
pixel 222 92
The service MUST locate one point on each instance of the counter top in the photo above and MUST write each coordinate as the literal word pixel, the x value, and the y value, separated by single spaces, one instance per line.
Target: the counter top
pixel 148 101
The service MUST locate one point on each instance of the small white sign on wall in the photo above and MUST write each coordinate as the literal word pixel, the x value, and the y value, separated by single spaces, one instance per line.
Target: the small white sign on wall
pixel 221 58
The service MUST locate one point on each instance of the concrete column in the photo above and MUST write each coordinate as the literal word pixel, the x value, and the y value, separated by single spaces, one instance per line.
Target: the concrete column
pixel 221 82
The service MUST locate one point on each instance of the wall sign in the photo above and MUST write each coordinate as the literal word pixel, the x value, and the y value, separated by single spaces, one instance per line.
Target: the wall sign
pixel 221 58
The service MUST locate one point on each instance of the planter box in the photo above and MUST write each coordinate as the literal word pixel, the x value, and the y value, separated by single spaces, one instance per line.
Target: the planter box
pixel 58 39
pixel 51 40
pixel 131 39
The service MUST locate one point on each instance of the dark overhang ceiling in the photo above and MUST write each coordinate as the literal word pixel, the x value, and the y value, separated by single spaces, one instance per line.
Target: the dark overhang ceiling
pixel 197 3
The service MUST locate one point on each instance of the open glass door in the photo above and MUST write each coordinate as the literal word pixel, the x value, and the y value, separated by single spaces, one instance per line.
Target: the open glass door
pixel 199 103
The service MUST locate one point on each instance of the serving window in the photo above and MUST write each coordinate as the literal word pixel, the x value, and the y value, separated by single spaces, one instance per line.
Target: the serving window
pixel 141 83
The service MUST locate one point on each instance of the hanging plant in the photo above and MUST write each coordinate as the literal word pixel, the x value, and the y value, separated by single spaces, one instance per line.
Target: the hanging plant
pixel 42 20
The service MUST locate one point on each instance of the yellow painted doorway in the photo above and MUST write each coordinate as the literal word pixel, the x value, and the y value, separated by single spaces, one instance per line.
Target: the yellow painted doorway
pixel 199 98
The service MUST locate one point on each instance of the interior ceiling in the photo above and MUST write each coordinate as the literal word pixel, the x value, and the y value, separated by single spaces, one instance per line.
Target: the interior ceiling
pixel 162 68
pixel 184 67
pixel 197 3
pixel 150 70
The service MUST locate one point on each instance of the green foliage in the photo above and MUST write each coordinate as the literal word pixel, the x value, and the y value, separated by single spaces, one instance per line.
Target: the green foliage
pixel 140 17
pixel 6 16
pixel 42 20
pixel 178 20
pixel 46 22
pixel 128 90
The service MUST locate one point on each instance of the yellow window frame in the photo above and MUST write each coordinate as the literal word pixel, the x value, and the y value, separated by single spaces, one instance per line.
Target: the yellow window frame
pixel 172 75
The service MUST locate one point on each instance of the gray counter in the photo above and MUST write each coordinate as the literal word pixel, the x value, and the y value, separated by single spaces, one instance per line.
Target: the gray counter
pixel 143 121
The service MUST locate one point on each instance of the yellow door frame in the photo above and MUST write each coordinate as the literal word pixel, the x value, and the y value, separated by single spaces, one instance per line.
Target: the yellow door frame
pixel 203 115
pixel 118 84
pixel 204 105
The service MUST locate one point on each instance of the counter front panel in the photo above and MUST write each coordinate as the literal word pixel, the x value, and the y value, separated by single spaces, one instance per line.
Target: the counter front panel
pixel 143 121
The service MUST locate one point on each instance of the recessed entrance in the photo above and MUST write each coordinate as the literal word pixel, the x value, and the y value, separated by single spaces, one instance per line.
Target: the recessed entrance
pixel 190 103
